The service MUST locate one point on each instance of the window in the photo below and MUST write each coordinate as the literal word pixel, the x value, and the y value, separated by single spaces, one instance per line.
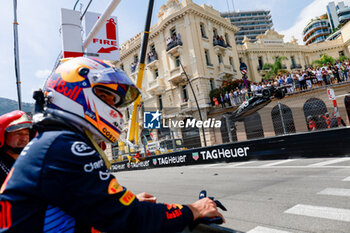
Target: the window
pixel 160 102
pixel 156 74
pixel 184 93
pixel 231 61
pixel 173 32
pixel 203 31
pixel 207 58
pixel 219 58
pixel 211 82
pixel 136 58
pixel 215 32
pixel 292 60
pixel 122 67
pixel 177 61
pixel 261 63
pixel 341 53
pixel 152 47
pixel 240 60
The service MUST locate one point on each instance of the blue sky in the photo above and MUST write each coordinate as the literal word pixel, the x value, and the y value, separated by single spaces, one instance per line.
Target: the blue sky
pixel 40 42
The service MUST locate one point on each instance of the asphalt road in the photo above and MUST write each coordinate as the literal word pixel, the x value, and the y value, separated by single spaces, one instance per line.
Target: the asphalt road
pixel 275 196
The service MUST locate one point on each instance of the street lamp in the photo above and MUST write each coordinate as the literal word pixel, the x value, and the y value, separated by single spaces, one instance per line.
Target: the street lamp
pixel 195 99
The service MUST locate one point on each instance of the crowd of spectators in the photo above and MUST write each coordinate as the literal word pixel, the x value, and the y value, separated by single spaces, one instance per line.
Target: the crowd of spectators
pixel 133 67
pixel 219 40
pixel 173 41
pixel 309 78
pixel 152 56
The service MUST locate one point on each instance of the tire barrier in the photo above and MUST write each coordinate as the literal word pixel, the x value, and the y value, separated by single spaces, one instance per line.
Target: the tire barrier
pixel 330 142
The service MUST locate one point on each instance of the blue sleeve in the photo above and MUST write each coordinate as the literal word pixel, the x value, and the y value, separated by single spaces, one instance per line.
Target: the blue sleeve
pixel 75 179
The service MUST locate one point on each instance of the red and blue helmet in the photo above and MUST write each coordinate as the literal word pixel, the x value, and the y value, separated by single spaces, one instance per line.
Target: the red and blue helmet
pixel 76 86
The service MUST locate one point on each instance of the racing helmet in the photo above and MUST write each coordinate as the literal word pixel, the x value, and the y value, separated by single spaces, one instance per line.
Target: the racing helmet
pixel 93 91
pixel 309 118
pixel 327 114
pixel 13 121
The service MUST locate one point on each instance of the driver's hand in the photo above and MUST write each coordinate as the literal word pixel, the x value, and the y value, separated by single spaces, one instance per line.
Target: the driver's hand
pixel 146 197
pixel 205 207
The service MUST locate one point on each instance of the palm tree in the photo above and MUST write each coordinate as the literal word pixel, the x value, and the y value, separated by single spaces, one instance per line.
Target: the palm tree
pixel 324 60
pixel 275 68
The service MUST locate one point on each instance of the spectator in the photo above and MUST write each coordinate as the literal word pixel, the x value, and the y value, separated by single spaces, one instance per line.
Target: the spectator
pixel 216 102
pixel 232 98
pixel 311 123
pixel 327 118
pixel 319 76
pixel 344 71
pixel 15 133
pixel 222 101
pixel 227 99
pixel 324 73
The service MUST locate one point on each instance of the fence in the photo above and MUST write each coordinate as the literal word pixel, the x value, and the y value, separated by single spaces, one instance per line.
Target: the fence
pixel 298 112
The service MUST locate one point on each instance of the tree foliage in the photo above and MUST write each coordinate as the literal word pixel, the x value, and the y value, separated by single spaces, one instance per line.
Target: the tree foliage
pixel 343 58
pixel 7 105
pixel 275 68
pixel 324 60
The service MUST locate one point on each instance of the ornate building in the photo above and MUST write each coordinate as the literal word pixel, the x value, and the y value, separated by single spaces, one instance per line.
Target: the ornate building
pixel 200 39
pixel 271 45
pixel 203 42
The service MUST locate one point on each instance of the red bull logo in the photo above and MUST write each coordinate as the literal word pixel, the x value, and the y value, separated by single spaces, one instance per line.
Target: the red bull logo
pixel 61 86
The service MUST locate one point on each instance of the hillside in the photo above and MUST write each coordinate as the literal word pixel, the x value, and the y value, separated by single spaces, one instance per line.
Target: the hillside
pixel 7 105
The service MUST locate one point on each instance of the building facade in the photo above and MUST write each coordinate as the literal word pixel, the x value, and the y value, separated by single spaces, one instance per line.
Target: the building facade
pixel 271 45
pixel 316 31
pixel 203 42
pixel 250 23
pixel 185 34
pixel 337 14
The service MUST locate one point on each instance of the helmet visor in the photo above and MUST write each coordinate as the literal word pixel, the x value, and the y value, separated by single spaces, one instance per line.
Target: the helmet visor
pixel 123 94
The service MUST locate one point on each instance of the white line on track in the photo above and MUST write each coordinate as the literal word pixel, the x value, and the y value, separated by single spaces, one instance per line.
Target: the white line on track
pixel 320 212
pixel 239 164
pixel 260 229
pixel 325 163
pixel 347 179
pixel 278 163
pixel 335 192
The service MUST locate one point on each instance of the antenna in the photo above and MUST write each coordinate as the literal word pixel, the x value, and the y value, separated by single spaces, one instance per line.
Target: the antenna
pixel 228 7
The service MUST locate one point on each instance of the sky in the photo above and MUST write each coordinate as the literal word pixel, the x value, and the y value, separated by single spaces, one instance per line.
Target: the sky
pixel 40 41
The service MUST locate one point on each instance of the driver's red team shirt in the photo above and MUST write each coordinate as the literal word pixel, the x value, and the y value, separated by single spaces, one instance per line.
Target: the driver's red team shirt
pixel 60 184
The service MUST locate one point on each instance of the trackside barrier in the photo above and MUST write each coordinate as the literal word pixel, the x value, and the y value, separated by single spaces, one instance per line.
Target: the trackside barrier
pixel 330 142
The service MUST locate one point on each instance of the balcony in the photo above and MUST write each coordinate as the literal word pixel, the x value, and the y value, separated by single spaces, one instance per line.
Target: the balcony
pixel 219 42
pixel 173 47
pixel 186 106
pixel 176 76
pixel 153 64
pixel 133 67
pixel 225 71
pixel 156 87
